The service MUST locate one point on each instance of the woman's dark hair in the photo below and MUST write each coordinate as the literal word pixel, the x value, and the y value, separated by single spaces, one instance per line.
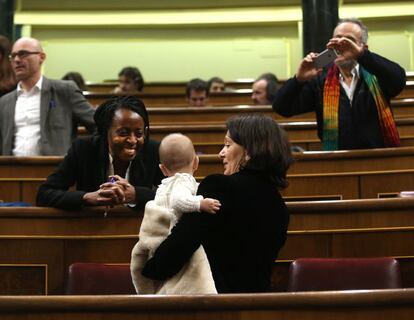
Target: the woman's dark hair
pixel 105 113
pixel 7 78
pixel 134 74
pixel 266 144
pixel 77 78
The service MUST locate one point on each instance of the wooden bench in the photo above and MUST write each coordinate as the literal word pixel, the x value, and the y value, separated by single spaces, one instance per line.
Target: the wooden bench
pixel 237 96
pixel 358 305
pixel 280 273
pixel 310 144
pixel 219 114
pixel 38 244
pixel 318 186
pixel 318 175
pixel 214 115
pixel 296 130
pixel 164 86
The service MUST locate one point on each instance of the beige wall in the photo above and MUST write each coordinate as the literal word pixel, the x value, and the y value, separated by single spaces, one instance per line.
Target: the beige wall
pixel 171 44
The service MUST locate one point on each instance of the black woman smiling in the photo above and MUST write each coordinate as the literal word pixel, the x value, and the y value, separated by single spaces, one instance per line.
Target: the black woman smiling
pixel 119 165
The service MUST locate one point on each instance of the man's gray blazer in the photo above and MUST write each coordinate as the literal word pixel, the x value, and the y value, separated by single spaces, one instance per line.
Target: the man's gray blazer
pixel 62 109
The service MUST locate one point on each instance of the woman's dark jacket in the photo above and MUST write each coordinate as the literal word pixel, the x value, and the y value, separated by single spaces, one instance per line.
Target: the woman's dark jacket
pixel 85 166
pixel 241 240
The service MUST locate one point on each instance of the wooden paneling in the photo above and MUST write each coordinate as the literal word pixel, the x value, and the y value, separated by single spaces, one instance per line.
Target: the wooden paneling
pixel 239 96
pixel 214 115
pixel 164 87
pixel 56 238
pixel 369 242
pixel 403 108
pixel 347 174
pixel 174 98
pixel 351 214
pixel 296 131
pixel 408 91
pixel 21 279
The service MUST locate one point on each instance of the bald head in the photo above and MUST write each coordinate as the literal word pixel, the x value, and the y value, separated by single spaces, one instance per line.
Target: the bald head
pixel 29 43
pixel 176 152
pixel 27 58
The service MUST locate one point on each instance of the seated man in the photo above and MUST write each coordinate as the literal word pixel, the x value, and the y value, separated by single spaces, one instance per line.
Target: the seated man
pixel 264 89
pixel 41 116
pixel 216 84
pixel 130 81
pixel 351 97
pixel 197 93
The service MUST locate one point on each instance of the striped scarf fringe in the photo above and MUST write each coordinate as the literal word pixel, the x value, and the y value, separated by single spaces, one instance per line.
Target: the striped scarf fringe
pixel 331 94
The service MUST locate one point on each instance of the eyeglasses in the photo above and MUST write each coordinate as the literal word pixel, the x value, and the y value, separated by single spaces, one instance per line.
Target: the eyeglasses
pixel 21 54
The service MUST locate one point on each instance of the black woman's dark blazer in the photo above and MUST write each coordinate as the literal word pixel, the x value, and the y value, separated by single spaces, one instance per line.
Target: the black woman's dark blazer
pixel 85 165
pixel 241 241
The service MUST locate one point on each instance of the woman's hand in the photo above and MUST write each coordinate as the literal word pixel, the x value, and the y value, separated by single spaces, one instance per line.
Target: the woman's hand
pixel 95 199
pixel 127 188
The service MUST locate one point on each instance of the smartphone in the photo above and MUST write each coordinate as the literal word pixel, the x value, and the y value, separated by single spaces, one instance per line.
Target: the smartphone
pixel 324 58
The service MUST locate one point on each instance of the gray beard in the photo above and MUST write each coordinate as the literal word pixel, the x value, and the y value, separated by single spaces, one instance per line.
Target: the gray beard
pixel 346 64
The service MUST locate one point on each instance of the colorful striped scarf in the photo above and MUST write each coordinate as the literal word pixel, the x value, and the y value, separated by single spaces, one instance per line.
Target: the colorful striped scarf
pixel 331 92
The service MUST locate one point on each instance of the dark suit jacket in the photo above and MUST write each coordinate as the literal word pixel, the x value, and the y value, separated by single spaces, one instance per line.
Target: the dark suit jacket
pixel 62 109
pixel 241 240
pixel 358 124
pixel 85 166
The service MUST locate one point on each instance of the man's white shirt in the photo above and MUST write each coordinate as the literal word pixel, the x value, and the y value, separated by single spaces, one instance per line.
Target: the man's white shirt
pixel 350 90
pixel 27 121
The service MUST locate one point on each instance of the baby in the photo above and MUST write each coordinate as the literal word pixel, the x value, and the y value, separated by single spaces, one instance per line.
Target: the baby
pixel 176 195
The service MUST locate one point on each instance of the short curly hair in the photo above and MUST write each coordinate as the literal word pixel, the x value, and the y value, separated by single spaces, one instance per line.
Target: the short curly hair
pixel 104 114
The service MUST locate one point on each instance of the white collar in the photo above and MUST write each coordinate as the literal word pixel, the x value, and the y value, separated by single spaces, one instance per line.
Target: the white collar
pixel 111 170
pixel 38 85
pixel 354 72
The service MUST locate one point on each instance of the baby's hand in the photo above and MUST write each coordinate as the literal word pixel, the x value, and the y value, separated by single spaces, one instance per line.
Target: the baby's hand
pixel 210 205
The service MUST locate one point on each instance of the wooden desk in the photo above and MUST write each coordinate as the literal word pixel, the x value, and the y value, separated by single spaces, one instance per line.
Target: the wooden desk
pixel 219 114
pixel 311 144
pixel 408 91
pixel 297 131
pixel 214 115
pixel 38 244
pixel 347 174
pixel 239 96
pixel 164 86
pixel 368 160
pixel 319 186
pixel 340 305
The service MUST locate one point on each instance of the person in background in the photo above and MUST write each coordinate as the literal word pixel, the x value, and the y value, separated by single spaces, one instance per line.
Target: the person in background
pixel 119 165
pixel 216 84
pixel 77 78
pixel 264 89
pixel 243 238
pixel 174 197
pixel 7 79
pixel 40 117
pixel 130 81
pixel 351 97
pixel 197 93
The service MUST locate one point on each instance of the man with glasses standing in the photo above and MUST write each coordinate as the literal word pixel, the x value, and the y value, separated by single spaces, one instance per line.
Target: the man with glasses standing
pixel 41 116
